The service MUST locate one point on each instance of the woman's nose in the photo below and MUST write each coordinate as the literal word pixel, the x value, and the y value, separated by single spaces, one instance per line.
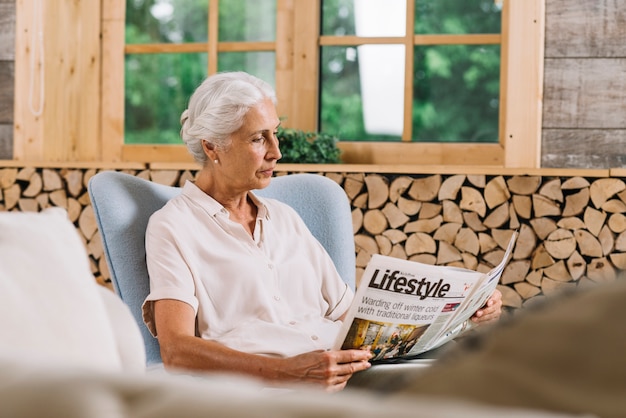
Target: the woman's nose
pixel 274 148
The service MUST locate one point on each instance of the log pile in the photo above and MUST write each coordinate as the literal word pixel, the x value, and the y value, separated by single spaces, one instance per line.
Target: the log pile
pixel 572 230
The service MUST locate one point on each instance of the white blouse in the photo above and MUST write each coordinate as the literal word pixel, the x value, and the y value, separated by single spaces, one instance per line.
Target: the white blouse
pixel 275 294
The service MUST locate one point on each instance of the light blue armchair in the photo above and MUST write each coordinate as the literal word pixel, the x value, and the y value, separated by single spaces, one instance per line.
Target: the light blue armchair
pixel 123 203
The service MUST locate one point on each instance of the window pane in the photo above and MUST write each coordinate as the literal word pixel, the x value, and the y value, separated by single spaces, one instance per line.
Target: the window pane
pixel 158 87
pixel 247 20
pixel 456 93
pixel 166 21
pixel 260 64
pixel 362 92
pixel 338 17
pixel 364 17
pixel 457 17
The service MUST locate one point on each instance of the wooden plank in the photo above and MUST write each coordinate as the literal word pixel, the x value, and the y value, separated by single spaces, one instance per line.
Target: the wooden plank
pixel 284 60
pixel 113 10
pixel 409 61
pixel 28 126
pixel 72 82
pixel 305 65
pixel 618 172
pixel 504 76
pixel 166 48
pixel 585 28
pixel 199 47
pixel 585 93
pixel 523 32
pixel 7 82
pixel 465 39
pixel 112 91
pixel 157 165
pixel 152 153
pixel 7 31
pixel 213 25
pixel 583 148
pixel 421 153
pixel 353 40
pixel 74 165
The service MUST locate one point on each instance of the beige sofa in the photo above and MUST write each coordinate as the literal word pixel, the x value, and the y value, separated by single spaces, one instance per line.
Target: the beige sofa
pixel 70 348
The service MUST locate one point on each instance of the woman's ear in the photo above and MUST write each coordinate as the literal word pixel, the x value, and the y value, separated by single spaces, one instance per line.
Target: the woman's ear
pixel 209 149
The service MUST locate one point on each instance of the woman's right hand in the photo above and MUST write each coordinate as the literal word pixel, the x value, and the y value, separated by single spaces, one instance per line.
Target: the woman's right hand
pixel 330 369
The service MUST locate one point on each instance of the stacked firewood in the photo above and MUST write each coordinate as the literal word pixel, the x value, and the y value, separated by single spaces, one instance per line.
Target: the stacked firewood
pixel 572 230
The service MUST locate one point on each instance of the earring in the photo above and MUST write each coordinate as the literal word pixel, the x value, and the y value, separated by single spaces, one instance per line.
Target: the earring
pixel 216 161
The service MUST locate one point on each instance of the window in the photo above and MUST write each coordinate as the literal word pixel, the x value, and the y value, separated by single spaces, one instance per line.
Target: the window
pixel 171 46
pixel 454 94
pixel 446 51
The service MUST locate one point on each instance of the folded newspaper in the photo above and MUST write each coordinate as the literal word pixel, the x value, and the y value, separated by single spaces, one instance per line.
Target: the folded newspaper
pixel 405 308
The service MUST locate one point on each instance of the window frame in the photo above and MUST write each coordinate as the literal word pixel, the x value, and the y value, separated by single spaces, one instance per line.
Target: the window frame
pixel 297 75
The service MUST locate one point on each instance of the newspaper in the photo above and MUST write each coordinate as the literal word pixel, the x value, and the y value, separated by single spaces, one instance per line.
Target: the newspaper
pixel 404 308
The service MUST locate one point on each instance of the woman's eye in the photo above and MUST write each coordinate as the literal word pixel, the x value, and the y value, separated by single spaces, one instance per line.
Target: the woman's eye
pixel 259 139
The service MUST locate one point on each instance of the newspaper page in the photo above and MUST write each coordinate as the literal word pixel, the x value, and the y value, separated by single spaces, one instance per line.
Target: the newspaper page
pixel 403 308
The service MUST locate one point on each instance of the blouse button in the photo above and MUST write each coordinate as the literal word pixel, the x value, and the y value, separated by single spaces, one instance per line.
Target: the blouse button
pixel 314 337
pixel 292 322
pixel 276 297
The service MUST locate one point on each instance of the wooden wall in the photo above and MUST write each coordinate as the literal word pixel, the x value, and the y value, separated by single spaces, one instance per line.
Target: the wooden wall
pixel 584 107
pixel 7 71
pixel 584 104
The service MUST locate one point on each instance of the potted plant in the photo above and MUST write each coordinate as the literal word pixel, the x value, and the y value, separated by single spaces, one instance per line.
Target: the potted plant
pixel 298 146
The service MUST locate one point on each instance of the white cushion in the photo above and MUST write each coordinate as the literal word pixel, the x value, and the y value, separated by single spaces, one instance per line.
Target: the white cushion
pixel 28 390
pixel 128 339
pixel 50 308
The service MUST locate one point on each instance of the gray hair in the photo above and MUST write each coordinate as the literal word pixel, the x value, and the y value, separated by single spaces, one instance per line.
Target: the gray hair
pixel 217 109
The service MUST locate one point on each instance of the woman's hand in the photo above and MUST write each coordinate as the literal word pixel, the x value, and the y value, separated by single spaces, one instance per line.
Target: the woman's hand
pixel 330 369
pixel 491 310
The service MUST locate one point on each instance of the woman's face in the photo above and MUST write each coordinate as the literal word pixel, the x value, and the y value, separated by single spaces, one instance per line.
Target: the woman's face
pixel 249 162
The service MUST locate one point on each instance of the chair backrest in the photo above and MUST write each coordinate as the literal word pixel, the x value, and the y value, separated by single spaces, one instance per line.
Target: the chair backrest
pixel 123 203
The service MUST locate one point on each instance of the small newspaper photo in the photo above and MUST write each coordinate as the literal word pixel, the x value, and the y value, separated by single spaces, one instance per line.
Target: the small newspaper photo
pixel 405 308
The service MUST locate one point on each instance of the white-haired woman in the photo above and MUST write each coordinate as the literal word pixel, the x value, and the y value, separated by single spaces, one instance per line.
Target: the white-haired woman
pixel 238 283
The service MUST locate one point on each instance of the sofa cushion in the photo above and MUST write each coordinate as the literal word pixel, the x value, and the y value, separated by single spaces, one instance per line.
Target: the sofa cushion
pixel 50 307
pixel 30 390
pixel 128 339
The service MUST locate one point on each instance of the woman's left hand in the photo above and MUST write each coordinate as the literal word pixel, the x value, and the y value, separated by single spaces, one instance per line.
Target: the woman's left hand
pixel 491 311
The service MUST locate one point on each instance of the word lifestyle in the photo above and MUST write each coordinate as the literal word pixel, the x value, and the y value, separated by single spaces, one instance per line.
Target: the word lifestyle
pixel 423 287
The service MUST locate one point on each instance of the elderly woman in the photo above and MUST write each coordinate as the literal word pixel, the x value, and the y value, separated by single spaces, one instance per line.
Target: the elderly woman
pixel 238 283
